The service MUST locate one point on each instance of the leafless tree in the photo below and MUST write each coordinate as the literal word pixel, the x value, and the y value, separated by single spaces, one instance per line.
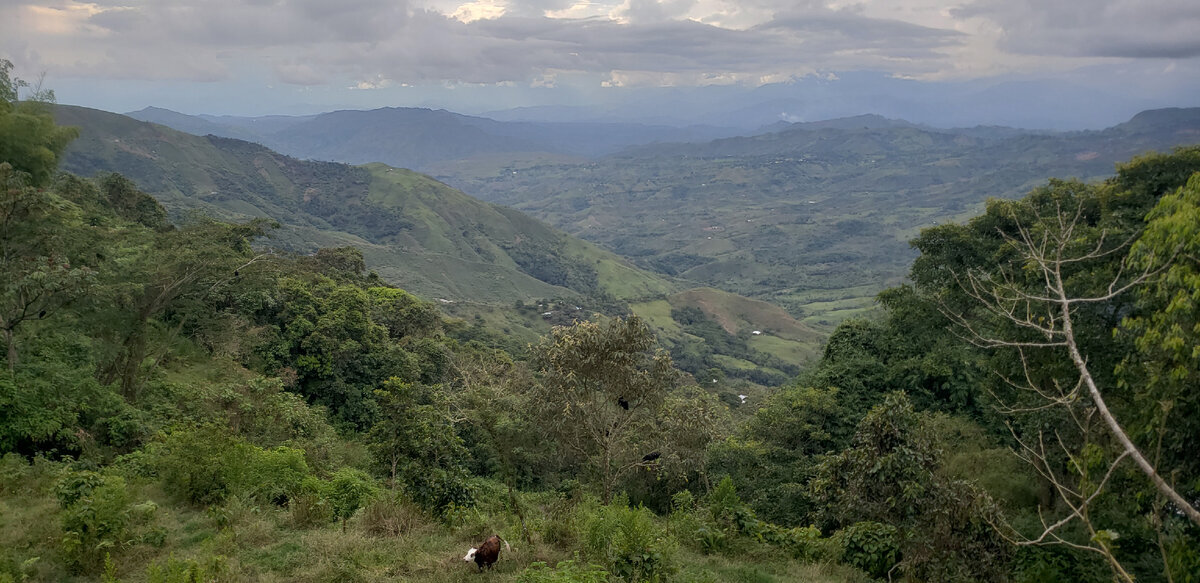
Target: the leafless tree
pixel 1044 314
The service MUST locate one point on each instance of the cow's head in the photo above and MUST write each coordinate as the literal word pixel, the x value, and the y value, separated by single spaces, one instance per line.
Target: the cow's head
pixel 470 555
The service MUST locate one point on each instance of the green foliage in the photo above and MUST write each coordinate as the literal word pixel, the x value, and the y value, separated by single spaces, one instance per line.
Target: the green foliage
pixel 53 402
pixel 29 139
pixel 95 517
pixel 627 542
pixel 402 313
pixel 205 465
pixel 870 546
pixel 1162 370
pixel 348 490
pixel 417 446
pixel 775 453
pixel 600 393
pixel 125 199
pixel 564 572
pixel 892 475
pixel 39 243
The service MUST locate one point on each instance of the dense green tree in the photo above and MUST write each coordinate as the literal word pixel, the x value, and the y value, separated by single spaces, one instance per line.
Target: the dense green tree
pixel 415 441
pixel 29 139
pixel 1044 282
pixel 169 273
pixel 773 456
pixel 892 475
pixel 37 275
pixel 600 392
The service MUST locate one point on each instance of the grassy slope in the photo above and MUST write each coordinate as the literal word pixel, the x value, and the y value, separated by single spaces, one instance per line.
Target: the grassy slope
pixel 782 336
pixel 414 231
pixel 261 544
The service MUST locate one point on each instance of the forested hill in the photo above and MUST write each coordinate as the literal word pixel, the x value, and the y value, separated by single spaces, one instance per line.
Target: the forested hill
pixel 414 231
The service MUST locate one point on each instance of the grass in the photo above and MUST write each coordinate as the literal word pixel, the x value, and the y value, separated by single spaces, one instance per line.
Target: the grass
pixel 241 541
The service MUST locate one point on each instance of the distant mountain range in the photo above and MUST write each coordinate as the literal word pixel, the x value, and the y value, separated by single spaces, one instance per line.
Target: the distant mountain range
pixel 417 138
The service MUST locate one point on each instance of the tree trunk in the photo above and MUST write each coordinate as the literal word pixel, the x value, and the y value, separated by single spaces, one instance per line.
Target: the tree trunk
pixel 1101 408
pixel 12 349
pixel 608 482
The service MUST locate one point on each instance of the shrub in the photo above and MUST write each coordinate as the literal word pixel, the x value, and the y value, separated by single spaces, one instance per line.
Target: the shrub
pixel 390 515
pixel 308 510
pixel 95 517
pixel 627 542
pixel 205 465
pixel 565 572
pixel 870 546
pixel 348 490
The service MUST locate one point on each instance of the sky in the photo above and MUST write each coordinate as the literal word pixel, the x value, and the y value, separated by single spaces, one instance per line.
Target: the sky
pixel 257 57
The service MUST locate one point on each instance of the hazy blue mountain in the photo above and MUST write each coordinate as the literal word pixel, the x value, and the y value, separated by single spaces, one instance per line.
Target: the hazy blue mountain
pixel 416 137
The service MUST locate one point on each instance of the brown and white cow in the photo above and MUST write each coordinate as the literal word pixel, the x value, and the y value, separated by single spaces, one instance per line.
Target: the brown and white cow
pixel 486 554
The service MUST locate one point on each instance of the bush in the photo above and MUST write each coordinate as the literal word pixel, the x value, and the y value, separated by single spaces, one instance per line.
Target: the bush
pixel 308 510
pixel 95 517
pixel 870 546
pixel 390 515
pixel 565 572
pixel 803 543
pixel 205 465
pixel 347 491
pixel 627 542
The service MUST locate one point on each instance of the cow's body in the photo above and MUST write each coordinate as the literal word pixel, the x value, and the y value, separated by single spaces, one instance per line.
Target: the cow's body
pixel 486 554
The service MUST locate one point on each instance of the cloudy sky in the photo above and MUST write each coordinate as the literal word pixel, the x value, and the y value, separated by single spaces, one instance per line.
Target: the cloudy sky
pixel 296 56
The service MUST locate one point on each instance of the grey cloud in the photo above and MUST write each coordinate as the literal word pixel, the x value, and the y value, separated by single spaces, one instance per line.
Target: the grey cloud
pixel 307 42
pixel 1101 28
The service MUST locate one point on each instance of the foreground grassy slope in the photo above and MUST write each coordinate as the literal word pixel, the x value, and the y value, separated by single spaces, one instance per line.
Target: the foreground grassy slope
pixel 415 232
pixel 242 541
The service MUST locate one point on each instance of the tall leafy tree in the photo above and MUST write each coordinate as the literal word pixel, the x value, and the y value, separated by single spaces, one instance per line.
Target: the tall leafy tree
pixel 37 275
pixel 600 394
pixel 29 139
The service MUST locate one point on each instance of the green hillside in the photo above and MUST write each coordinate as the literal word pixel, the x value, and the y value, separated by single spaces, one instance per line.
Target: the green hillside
pixel 414 231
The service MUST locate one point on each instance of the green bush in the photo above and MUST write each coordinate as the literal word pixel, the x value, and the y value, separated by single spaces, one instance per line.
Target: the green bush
pixel 391 515
pixel 564 572
pixel 205 465
pixel 95 518
pixel 347 491
pixel 871 546
pixel 801 542
pixel 627 542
